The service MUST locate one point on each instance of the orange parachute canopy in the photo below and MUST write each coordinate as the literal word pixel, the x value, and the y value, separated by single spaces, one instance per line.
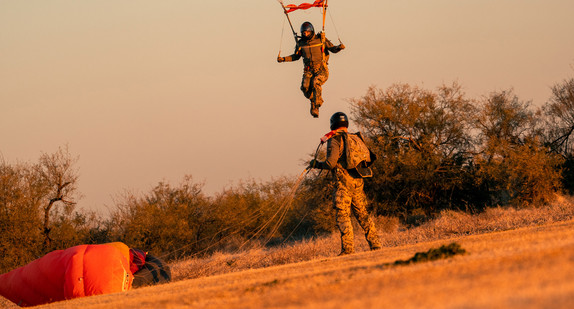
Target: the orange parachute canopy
pixel 65 274
pixel 303 6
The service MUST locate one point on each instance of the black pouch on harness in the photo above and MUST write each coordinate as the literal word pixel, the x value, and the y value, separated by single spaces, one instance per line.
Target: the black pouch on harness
pixel 363 170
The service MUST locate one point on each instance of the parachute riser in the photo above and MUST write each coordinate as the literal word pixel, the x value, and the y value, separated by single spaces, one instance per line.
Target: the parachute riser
pixel 289 20
pixel 324 14
pixel 323 31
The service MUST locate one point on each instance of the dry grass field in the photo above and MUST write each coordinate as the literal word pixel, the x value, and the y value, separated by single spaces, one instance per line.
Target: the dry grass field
pixel 514 259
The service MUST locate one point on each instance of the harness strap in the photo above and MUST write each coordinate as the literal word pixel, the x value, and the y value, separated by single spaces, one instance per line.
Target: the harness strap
pixel 316 45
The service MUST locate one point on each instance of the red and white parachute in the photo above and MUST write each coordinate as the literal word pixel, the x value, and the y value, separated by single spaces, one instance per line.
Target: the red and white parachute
pixel 304 6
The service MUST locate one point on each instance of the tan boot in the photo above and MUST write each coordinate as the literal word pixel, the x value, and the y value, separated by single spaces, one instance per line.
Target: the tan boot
pixel 314 110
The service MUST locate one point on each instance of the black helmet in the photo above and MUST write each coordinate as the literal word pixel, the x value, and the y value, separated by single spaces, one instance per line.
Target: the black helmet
pixel 338 120
pixel 307 26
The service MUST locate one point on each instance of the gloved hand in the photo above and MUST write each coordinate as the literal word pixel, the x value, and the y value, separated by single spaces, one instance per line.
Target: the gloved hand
pixel 313 164
pixel 280 59
pixel 342 46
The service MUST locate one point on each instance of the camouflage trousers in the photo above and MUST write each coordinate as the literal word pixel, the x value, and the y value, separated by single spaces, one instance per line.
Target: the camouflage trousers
pixel 349 197
pixel 312 83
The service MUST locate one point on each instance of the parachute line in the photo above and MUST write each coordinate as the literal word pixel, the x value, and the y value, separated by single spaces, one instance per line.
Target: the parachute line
pixel 288 19
pixel 281 41
pixel 324 6
pixel 334 26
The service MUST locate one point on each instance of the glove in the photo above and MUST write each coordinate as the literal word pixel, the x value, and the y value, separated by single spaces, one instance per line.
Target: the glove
pixel 280 59
pixel 342 46
pixel 313 164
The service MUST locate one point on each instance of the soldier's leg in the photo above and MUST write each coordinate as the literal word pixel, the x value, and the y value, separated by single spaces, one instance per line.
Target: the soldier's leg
pixel 318 82
pixel 307 89
pixel 359 208
pixel 306 84
pixel 342 205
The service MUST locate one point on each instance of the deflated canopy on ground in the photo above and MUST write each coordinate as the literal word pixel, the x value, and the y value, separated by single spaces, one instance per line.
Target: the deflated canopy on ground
pixel 80 271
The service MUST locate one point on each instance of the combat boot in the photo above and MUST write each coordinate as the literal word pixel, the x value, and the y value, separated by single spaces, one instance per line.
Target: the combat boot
pixel 314 110
pixel 346 246
pixel 346 252
pixel 374 242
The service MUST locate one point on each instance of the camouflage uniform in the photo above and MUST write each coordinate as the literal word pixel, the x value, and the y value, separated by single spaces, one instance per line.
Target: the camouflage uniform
pixel 315 53
pixel 349 197
pixel 312 82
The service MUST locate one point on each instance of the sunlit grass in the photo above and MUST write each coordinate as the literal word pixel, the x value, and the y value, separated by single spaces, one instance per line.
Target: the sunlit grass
pixel 449 224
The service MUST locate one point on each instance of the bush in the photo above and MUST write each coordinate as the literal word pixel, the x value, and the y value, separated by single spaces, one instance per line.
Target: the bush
pixel 422 139
pixel 512 166
pixel 559 124
pixel 37 206
pixel 169 221
pixel 438 151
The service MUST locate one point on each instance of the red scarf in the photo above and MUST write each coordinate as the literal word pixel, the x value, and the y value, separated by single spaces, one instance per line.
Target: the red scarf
pixel 327 136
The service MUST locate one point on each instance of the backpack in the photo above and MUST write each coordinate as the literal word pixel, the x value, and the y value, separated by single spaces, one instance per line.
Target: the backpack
pixel 358 156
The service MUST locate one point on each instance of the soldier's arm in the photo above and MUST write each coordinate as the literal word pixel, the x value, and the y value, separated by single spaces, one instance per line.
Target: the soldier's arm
pixel 295 56
pixel 332 48
pixel 333 154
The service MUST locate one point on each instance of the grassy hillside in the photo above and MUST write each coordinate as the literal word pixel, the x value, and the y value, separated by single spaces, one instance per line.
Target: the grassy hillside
pixel 449 225
pixel 517 258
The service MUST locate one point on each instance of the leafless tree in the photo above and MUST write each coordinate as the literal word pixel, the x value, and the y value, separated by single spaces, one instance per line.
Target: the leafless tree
pixel 59 177
pixel 560 118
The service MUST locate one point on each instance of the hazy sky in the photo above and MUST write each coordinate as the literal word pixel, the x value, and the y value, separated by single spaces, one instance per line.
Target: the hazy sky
pixel 146 91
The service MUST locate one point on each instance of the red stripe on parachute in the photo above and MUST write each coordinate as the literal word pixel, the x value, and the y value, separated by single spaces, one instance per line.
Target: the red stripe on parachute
pixel 303 6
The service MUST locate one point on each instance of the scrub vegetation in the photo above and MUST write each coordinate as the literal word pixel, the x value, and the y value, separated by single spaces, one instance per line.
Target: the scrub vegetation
pixel 447 165
pixel 514 258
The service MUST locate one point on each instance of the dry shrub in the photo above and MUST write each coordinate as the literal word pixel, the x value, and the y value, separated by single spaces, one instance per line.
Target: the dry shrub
pixel 449 223
pixel 387 224
pixel 495 219
pixel 433 254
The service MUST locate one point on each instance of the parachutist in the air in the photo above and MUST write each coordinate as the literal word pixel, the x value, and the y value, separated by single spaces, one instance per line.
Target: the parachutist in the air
pixel 314 48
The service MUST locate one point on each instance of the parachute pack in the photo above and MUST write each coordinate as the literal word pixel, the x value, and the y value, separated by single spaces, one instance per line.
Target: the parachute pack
pixel 358 156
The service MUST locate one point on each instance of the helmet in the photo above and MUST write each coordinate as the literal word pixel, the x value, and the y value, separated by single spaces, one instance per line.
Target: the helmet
pixel 307 26
pixel 338 120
